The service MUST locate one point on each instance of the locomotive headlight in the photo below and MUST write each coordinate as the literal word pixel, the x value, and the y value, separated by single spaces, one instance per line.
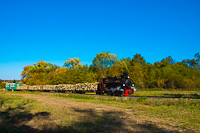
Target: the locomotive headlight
pixel 124 85
pixel 132 84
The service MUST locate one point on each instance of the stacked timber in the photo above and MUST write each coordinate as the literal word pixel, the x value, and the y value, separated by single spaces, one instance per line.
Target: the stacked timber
pixel 22 87
pixel 80 87
pixel 60 87
pixel 34 87
pixel 49 87
pixel 92 86
pixel 68 87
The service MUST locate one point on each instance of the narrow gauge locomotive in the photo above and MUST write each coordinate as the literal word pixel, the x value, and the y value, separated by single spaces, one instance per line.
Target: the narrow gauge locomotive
pixel 121 86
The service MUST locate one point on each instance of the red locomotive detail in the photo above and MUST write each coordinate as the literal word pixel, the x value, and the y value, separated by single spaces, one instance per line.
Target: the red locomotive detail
pixel 120 86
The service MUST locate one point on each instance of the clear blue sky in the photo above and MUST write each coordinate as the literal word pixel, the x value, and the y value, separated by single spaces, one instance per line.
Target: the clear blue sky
pixel 55 30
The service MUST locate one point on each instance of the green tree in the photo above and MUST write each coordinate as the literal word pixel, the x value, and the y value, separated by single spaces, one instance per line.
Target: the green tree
pixel 197 59
pixel 170 60
pixel 38 74
pixel 25 75
pixel 104 60
pixel 138 59
pixel 137 75
pixel 137 69
pixel 164 74
pixel 2 85
pixel 186 62
pixel 73 63
pixel 193 63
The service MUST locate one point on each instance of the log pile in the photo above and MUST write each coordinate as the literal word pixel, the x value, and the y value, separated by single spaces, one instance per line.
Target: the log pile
pixel 80 87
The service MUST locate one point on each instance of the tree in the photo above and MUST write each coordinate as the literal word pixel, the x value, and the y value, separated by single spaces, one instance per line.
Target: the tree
pixel 14 81
pixel 138 59
pixel 165 74
pixel 73 63
pixel 25 75
pixel 186 62
pixel 118 68
pixel 104 60
pixel 137 75
pixel 39 73
pixel 170 60
pixel 193 63
pixel 124 64
pixel 60 76
pixel 197 57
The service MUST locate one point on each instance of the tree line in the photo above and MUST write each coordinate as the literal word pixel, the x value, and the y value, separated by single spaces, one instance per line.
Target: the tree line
pixel 164 74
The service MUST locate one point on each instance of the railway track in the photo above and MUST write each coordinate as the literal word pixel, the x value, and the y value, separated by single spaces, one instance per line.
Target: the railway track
pixel 124 97
pixel 108 96
pixel 136 97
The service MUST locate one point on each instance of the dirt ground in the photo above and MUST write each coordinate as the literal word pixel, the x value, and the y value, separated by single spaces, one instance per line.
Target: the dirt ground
pixel 70 116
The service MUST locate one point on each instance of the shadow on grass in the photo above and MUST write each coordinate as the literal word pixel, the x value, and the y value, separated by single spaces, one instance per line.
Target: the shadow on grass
pixel 107 121
pixel 14 120
pixel 148 127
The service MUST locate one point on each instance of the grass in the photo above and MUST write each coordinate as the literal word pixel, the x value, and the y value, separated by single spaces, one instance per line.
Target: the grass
pixel 19 114
pixel 182 112
pixel 166 93
pixel 169 93
pixel 179 115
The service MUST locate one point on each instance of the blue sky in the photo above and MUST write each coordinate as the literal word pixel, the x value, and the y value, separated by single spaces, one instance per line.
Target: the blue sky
pixel 55 30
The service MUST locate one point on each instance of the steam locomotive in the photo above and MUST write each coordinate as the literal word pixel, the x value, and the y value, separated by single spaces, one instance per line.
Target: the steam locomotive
pixel 120 86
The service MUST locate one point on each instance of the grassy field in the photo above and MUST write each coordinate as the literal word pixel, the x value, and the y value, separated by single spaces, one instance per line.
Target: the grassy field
pixel 45 112
pixel 169 93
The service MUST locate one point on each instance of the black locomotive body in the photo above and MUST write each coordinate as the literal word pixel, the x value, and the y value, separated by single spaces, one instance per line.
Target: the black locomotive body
pixel 120 86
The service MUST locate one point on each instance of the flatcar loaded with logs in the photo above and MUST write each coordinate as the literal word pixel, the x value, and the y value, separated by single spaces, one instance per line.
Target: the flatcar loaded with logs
pixel 74 88
pixel 121 86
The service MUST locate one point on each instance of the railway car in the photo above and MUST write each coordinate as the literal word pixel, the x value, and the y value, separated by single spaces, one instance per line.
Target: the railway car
pixel 121 86
pixel 12 86
pixel 76 88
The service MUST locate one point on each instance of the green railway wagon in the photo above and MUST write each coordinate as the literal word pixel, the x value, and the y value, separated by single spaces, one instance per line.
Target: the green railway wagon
pixel 12 86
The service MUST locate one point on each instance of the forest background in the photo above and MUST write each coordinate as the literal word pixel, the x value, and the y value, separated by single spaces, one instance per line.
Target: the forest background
pixel 164 74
